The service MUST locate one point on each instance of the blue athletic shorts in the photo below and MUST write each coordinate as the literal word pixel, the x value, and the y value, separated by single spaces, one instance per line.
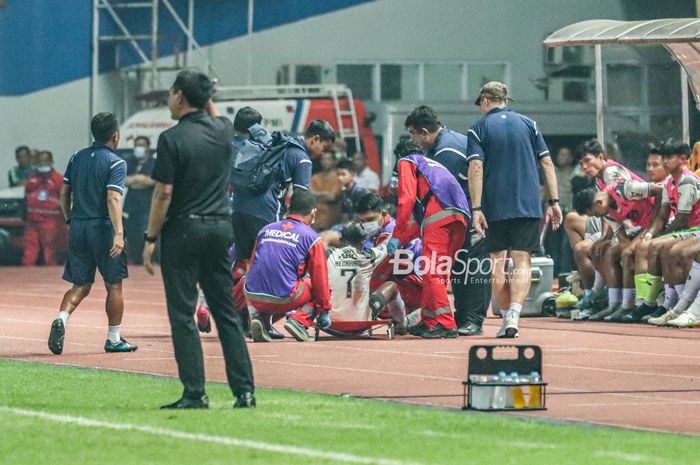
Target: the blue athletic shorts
pixel 89 242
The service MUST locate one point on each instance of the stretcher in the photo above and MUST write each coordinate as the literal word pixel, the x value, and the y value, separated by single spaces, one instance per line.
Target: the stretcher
pixel 350 329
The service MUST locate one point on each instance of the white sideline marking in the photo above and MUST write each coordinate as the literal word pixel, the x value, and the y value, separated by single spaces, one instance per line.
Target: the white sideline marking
pixel 614 351
pixel 627 457
pixel 224 440
pixel 362 370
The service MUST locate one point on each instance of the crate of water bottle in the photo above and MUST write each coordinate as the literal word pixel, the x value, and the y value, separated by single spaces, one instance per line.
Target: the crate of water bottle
pixel 506 391
pixel 505 377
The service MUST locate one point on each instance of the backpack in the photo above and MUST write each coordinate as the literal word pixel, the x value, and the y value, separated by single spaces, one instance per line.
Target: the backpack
pixel 257 168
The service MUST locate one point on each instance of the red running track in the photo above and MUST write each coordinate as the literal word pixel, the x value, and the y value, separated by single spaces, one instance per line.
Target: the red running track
pixel 632 376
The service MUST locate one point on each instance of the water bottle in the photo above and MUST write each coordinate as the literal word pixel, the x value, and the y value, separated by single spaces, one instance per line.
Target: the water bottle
pixel 481 394
pixel 500 392
pixel 517 391
pixel 535 391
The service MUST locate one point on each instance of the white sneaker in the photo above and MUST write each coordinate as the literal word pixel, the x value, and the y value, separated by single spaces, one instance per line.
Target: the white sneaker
pixel 663 319
pixel 509 329
pixel 685 320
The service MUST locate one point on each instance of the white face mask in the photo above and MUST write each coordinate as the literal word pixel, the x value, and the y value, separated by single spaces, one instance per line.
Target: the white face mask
pixel 370 228
pixel 139 152
pixel 44 169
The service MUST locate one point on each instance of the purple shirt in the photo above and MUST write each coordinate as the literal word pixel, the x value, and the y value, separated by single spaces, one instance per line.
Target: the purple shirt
pixel 280 250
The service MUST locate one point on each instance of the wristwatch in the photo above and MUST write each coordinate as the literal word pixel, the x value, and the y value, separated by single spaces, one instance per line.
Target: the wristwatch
pixel 149 239
pixel 552 202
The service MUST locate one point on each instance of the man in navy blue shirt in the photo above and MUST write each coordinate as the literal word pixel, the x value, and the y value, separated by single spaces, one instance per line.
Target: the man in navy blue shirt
pixel 504 151
pixel 252 212
pixel 471 286
pixel 91 204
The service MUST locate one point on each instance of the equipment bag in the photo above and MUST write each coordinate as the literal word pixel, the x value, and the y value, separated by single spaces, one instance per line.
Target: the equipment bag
pixel 258 168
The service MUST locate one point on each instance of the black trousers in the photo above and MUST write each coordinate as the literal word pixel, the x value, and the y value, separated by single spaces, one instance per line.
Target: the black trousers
pixel 134 226
pixel 196 251
pixel 471 283
pixel 245 230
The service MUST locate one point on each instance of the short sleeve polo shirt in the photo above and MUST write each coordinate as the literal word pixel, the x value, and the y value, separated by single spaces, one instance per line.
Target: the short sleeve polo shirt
pixel 92 172
pixel 195 157
pixel 450 150
pixel 510 146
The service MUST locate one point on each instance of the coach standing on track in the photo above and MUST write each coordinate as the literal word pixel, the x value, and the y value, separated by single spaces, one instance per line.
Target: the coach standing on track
pixel 508 146
pixel 190 205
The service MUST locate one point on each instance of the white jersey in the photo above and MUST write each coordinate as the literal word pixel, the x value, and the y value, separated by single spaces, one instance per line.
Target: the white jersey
pixel 349 273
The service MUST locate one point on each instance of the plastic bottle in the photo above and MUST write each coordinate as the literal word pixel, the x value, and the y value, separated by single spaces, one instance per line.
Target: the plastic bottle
pixel 535 391
pixel 481 392
pixel 500 392
pixel 516 391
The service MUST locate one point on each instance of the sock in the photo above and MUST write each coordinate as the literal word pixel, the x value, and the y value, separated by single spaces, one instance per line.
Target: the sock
pixel 670 297
pixel 64 316
pixel 641 285
pixel 587 294
pixel 679 288
pixel 113 333
pixel 515 307
pixel 397 309
pixel 628 300
pixel 692 283
pixel 654 290
pixel 599 282
pixel 694 308
pixel 614 297
pixel 681 306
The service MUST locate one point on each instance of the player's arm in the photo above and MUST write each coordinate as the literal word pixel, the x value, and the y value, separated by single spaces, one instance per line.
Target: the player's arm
pixel 318 270
pixel 687 198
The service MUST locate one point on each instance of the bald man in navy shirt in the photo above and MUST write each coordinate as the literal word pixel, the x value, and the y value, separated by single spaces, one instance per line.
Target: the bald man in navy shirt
pixel 504 153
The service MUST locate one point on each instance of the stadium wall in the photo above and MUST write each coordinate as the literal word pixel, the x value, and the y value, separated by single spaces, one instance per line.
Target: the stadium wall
pixel 54 115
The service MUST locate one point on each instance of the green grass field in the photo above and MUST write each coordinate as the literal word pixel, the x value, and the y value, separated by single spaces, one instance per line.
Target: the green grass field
pixel 61 415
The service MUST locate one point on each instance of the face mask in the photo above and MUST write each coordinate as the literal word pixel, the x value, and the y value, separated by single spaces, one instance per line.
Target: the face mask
pixel 44 169
pixel 139 152
pixel 370 228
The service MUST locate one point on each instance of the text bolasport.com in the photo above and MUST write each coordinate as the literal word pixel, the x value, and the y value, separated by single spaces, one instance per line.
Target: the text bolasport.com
pixel 404 263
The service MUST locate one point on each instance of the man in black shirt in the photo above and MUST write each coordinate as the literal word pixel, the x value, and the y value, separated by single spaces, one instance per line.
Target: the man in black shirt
pixel 190 205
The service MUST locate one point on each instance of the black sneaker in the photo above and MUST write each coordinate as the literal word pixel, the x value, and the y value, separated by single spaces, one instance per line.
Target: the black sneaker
pixel 618 315
pixel 640 312
pixel 245 400
pixel 470 329
pixel 418 329
pixel 58 332
pixel 274 334
pixel 122 346
pixel 599 316
pixel 585 314
pixel 439 332
pixel 188 403
pixel 660 311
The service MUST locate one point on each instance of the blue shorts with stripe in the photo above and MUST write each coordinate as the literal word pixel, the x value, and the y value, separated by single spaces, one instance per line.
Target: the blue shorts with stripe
pixel 89 243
